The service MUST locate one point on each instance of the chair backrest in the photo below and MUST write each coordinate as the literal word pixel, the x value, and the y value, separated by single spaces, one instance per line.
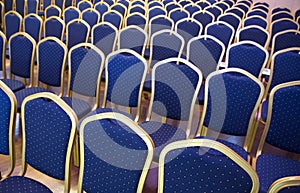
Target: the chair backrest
pixel 33 25
pixel 102 8
pixel 137 9
pixel 261 8
pixel 248 56
pixel 91 16
pixel 231 99
pixel 237 11
pixel 9 5
pixel 138 2
pixel 31 6
pixel 8 113
pixel 281 15
pixel 155 4
pixel 134 38
pixel 54 27
pixel 192 8
pixel 254 33
pixel 203 165
pixel 256 21
pixel 104 36
pixel 20 5
pixel 175 86
pixel 46 3
pixel 283 110
pixel 52 10
pixel 99 137
pixel 222 31
pixel 231 19
pixel 171 6
pixel 178 14
pixel 243 6
pixel 83 5
pixel 278 9
pixel 215 10
pixel 77 32
pixel 21 54
pixel 203 4
pixel 86 63
pixel 204 17
pixel 206 52
pixel 48 128
pixel 71 13
pixel 109 2
pixel 120 8
pixel 257 13
pixel 136 19
pixel 165 44
pixel 125 72
pixel 285 66
pixel 51 62
pixel 60 4
pixel 12 23
pixel 159 23
pixel 113 17
pixel 222 5
pixel 3 43
pixel 156 11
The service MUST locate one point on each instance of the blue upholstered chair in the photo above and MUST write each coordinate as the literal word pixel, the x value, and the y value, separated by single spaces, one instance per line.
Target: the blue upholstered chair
pixel 137 9
pixel 54 27
pixel 104 36
pixel 281 15
pixel 277 173
pixel 261 3
pixel 106 134
pixel 204 165
pixel 91 16
pixel 52 10
pixel 33 25
pixel 12 23
pixel 224 6
pixel 48 129
pixel 203 4
pixel 215 10
pixel 175 85
pixel 102 8
pixel 261 8
pixel 156 11
pixel 231 100
pixel 51 63
pixel 119 8
pixel 109 2
pixel 83 5
pixel 248 56
pixel 155 4
pixel 136 19
pixel 126 3
pixel 171 6
pixel 71 13
pixel 192 8
pixel 113 17
pixel 138 2
pixel 254 33
pixel 222 31
pixel 134 38
pixel 257 21
pixel 204 17
pixel 257 13
pixel 9 5
pixel 178 14
pixel 8 113
pixel 77 32
pixel 237 11
pixel 243 6
pixel 159 23
pixel 85 68
pixel 285 65
pixel 20 6
pixel 31 6
pixel 278 9
pixel 232 19
pixel 3 44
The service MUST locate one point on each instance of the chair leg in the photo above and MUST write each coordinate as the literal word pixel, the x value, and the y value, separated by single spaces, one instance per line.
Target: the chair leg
pixel 76 151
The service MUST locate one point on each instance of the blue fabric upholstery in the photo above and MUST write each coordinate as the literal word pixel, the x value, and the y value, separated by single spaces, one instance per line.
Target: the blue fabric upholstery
pixel 46 3
pixel 230 19
pixel 231 100
pixel 59 3
pixel 137 9
pixel 237 12
pixel 104 38
pixel 20 7
pixel 48 129
pixel 159 23
pixel 279 26
pixel 32 26
pixel 124 2
pixel 195 169
pixel 52 11
pixel 155 12
pixel 91 17
pixel 31 6
pixel 79 106
pixel 287 40
pixel 53 28
pixel 201 95
pixel 203 4
pixel 247 57
pixel 215 11
pixel 255 35
pixel 258 13
pixel 12 24
pixel 22 50
pixel 264 110
pixel 162 134
pixel 22 94
pixel 77 33
pixel 14 85
pixel 221 32
pixel 278 9
pixel 70 14
pixel 177 15
pixel 131 38
pixel 204 18
pixel 191 9
pixel 286 68
pixel 8 5
pixel 83 6
pixel 113 18
pixel 243 6
pixel 114 157
pixel 281 16
pixel 147 84
pixel 125 73
pixel 101 8
pixel 272 167
pixel 20 184
pixel 119 9
pixel 222 6
pixel 5 116
pixel 171 6
pixel 51 57
pixel 136 20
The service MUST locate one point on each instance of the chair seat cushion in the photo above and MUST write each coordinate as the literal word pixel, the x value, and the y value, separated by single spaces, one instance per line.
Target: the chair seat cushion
pixel 14 85
pixel 272 167
pixel 264 110
pixel 22 94
pixel 19 184
pixel 80 107
pixel 148 83
pixel 162 134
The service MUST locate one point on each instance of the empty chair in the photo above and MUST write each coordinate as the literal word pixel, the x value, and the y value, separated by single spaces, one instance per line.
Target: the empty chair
pixel 257 13
pixel 113 17
pixel 159 23
pixel 178 14
pixel 55 27
pixel 203 4
pixel 281 122
pixel 171 6
pixel 48 129
pixel 104 37
pixel 33 25
pixel 109 2
pixel 137 9
pixel 71 13
pixel 135 157
pixel 261 3
pixel 138 2
pixel 215 10
pixel 77 32
pixel 51 63
pixel 8 113
pixel 192 8
pixel 255 34
pixel 261 8
pixel 243 6
pixel 155 4
pixel 136 19
pixel 204 17
pixel 101 7
pixel 257 21
pixel 231 19
pixel 85 68
pixel 278 9
pixel 12 23
pixel 91 16
pixel 179 81
pixel 237 11
pixel 31 6
pixel 119 8
pixel 222 31
pixel 156 11
pixel 134 38
pixel 61 4
pixel 20 6
pixel 281 15
pixel 223 5
pixel 83 5
pixel 203 165
pixel 229 3
pixel 126 3
pixel 248 56
pixel 9 5
pixel 52 10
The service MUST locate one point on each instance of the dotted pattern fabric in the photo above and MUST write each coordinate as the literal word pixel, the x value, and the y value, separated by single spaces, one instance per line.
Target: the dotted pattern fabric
pixel 215 11
pixel 125 73
pixel 197 170
pixel 84 6
pixel 14 85
pixel 79 106
pixel 32 26
pixel 8 5
pixel 114 19
pixel 47 129
pixel 258 13
pixel 52 11
pixel 90 17
pixel 230 19
pixel 203 18
pixel 155 12
pixel 5 121
pixel 192 9
pixel 19 184
pixel 53 28
pixel 136 20
pixel 247 57
pixel 77 33
pixel 255 35
pixel 286 40
pixel 177 15
pixel 158 24
pixel 221 32
pixel 22 51
pixel 101 8
pixel 114 157
pixel 272 167
pixel 20 7
pixel 231 100
pixel 133 39
pixel 119 9
pixel 280 26
pixel 69 15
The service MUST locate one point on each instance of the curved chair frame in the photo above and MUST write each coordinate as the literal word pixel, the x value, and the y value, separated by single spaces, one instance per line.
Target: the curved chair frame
pixel 53 6
pixel 138 14
pixel 116 12
pixel 40 20
pixel 18 15
pixel 79 21
pixel 257 27
pixel 60 21
pixel 256 16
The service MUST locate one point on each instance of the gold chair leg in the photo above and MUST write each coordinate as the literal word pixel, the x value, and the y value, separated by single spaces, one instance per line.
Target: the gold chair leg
pixel 76 151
